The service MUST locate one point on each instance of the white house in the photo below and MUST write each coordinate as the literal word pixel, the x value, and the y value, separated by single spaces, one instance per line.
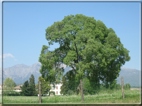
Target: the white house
pixel 56 88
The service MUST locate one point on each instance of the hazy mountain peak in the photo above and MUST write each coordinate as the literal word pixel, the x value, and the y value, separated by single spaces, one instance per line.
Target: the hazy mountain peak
pixel 19 65
pixel 126 68
pixel 21 72
pixel 38 63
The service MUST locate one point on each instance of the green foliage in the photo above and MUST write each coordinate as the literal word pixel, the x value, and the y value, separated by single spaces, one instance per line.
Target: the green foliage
pixel 51 93
pixel 70 83
pixel 32 85
pixel 87 87
pixel 113 84
pixel 8 87
pixel 127 86
pixel 45 86
pixel 70 92
pixel 118 86
pixel 11 93
pixel 9 84
pixel 28 88
pixel 88 47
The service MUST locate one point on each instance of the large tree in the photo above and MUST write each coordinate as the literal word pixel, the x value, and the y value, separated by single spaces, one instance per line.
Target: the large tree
pixel 87 46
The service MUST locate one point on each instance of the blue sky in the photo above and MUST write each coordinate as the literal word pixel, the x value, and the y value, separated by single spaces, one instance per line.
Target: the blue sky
pixel 24 25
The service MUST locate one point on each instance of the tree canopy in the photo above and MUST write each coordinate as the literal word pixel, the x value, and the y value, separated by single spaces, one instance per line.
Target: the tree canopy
pixel 9 84
pixel 28 88
pixel 87 46
pixel 45 85
pixel 32 84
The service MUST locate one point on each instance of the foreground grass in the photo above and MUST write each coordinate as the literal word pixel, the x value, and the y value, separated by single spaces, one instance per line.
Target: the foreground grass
pixel 131 96
pixel 0 99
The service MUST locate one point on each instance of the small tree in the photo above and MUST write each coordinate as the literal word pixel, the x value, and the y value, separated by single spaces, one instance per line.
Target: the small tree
pixel 29 89
pixel 87 87
pixel 127 86
pixel 26 91
pixel 32 85
pixel 9 84
pixel 8 87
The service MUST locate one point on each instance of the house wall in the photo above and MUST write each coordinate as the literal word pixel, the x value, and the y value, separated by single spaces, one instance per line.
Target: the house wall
pixel 56 89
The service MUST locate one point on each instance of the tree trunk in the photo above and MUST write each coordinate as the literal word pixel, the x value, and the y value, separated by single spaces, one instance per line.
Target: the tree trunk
pixel 122 87
pixel 81 90
pixel 40 99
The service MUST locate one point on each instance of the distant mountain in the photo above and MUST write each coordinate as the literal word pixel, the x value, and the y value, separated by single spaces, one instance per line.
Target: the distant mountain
pixel 131 76
pixel 20 73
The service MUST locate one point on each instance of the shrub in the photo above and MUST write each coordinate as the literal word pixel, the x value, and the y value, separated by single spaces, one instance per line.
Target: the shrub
pixel 51 93
pixel 70 92
pixel 127 86
pixel 118 87
pixel 11 93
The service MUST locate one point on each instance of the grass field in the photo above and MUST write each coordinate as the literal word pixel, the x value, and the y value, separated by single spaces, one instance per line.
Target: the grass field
pixel 0 99
pixel 131 96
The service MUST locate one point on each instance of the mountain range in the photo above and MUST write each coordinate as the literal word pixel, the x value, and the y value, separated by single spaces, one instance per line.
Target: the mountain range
pixel 20 73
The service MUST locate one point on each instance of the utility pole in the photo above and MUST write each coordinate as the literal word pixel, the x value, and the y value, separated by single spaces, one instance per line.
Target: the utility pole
pixel 40 99
pixel 122 87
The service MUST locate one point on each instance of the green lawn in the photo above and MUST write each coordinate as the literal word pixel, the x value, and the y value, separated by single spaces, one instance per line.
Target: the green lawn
pixel 0 99
pixel 131 96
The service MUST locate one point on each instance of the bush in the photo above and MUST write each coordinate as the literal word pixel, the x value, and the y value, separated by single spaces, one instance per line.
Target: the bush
pixel 70 92
pixel 127 86
pixel 51 92
pixel 118 87
pixel 11 93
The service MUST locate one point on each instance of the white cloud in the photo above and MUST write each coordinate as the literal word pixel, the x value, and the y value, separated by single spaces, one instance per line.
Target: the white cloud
pixel 7 55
